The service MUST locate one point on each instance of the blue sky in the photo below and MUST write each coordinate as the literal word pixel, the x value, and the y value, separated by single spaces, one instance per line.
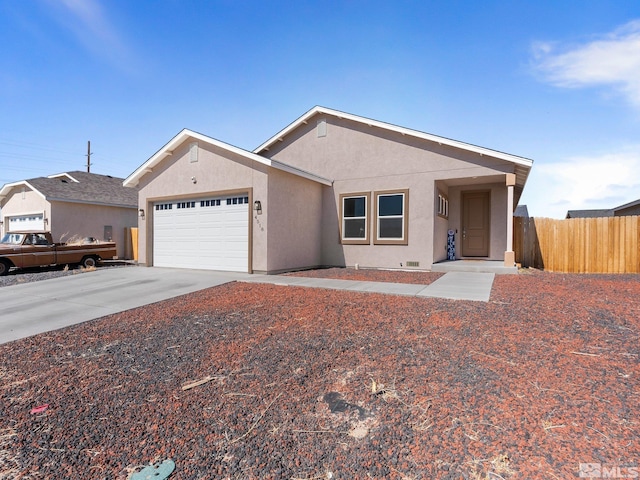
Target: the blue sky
pixel 554 81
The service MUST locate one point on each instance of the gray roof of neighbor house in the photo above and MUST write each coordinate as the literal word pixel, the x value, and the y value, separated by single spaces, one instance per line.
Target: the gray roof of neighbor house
pixel 79 187
pixel 589 213
pixel 626 206
pixel 521 211
pixel 608 212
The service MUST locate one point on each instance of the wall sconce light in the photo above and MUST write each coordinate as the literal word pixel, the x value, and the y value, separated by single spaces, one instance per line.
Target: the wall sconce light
pixel 257 206
pixel 194 179
pixel 141 213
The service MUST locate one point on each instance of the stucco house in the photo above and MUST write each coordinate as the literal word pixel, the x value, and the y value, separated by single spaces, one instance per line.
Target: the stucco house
pixel 71 204
pixel 330 189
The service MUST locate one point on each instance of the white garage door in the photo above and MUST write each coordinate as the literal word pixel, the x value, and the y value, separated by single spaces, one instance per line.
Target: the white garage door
pixel 210 233
pixel 26 222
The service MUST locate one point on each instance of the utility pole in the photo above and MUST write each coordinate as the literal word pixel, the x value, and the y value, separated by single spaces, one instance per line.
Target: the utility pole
pixel 89 156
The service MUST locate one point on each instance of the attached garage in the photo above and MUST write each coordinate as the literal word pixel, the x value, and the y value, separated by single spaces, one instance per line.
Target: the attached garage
pixel 209 233
pixel 26 222
pixel 205 204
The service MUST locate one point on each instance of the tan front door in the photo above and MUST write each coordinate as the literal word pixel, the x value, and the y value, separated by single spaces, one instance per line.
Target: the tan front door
pixel 475 224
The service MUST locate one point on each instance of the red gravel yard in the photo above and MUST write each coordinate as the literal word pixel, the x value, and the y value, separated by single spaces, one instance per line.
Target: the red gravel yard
pixel 262 381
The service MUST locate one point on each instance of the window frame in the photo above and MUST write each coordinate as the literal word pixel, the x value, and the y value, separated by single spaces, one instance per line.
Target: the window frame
pixel 405 219
pixel 442 204
pixel 367 219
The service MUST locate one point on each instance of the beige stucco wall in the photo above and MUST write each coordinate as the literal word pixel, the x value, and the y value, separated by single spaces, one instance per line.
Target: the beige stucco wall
pixel 81 220
pixel 295 224
pixel 23 204
pixel 360 158
pixel 284 235
pixel 441 226
pixel 217 171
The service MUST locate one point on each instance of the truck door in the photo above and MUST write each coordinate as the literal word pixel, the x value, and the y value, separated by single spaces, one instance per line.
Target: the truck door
pixel 36 251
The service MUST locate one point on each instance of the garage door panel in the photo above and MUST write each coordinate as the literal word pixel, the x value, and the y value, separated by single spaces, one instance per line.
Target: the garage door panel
pixel 210 234
pixel 26 222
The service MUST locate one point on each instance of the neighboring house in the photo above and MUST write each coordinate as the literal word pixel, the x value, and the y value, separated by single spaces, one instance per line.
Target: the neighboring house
pixel 521 211
pixel 74 204
pixel 331 189
pixel 628 209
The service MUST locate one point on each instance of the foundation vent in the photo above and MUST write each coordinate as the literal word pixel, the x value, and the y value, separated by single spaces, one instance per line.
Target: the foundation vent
pixel 413 264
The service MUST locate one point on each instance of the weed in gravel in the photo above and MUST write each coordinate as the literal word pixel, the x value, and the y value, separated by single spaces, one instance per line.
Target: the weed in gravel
pixel 321 476
pixel 8 462
pixel 498 468
pixel 420 409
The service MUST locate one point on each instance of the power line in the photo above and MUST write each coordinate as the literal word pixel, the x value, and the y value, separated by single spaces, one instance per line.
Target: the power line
pixel 35 146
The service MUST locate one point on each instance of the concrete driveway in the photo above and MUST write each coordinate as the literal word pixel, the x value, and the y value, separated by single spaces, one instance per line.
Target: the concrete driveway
pixel 32 308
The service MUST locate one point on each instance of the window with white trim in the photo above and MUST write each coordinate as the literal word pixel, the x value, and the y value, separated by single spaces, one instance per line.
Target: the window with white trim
pixel 354 215
pixel 391 217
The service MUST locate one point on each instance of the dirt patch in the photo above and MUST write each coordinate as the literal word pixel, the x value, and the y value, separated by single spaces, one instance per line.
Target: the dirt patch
pixel 541 379
pixel 368 275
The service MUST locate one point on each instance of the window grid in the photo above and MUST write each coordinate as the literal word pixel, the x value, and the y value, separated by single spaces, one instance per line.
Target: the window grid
pixel 216 202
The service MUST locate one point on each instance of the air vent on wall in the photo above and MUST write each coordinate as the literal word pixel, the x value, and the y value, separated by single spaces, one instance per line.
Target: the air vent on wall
pixel 193 152
pixel 413 264
pixel 322 128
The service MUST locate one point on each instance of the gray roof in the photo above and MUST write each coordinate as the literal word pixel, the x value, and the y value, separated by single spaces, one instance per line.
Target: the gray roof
pixel 89 188
pixel 521 211
pixel 589 213
pixel 635 203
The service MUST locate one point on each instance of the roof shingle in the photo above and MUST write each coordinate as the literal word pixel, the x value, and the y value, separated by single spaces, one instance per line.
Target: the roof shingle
pixel 89 188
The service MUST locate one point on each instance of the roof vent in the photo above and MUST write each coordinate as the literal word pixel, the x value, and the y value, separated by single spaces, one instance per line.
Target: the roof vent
pixel 193 152
pixel 322 128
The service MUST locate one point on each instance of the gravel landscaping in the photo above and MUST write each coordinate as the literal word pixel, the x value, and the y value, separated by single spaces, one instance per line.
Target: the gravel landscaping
pixel 263 381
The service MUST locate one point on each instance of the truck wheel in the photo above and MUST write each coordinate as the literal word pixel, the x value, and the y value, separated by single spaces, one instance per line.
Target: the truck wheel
pixel 4 268
pixel 89 262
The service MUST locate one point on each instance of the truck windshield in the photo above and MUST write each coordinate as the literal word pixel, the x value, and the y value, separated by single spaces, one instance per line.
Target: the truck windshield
pixel 12 238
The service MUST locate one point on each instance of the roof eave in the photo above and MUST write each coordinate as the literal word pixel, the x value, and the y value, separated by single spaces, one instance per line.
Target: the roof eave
pixel 7 187
pixel 87 202
pixel 522 161
pixel 147 167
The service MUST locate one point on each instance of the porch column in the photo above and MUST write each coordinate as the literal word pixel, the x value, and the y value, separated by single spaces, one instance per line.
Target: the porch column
pixel 509 255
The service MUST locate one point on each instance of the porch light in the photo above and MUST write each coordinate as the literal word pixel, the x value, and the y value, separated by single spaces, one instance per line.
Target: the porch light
pixel 141 213
pixel 257 206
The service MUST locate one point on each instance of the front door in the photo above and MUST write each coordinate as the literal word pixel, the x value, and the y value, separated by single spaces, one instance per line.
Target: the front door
pixel 475 224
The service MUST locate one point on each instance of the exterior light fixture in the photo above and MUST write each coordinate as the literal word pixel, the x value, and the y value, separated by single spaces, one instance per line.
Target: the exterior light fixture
pixel 257 206
pixel 141 213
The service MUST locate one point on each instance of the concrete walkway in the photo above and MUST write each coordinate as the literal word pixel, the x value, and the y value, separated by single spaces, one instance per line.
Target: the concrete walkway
pixel 31 308
pixel 453 285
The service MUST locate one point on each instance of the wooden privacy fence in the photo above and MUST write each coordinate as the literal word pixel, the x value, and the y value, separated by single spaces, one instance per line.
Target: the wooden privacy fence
pixel 131 243
pixel 578 245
